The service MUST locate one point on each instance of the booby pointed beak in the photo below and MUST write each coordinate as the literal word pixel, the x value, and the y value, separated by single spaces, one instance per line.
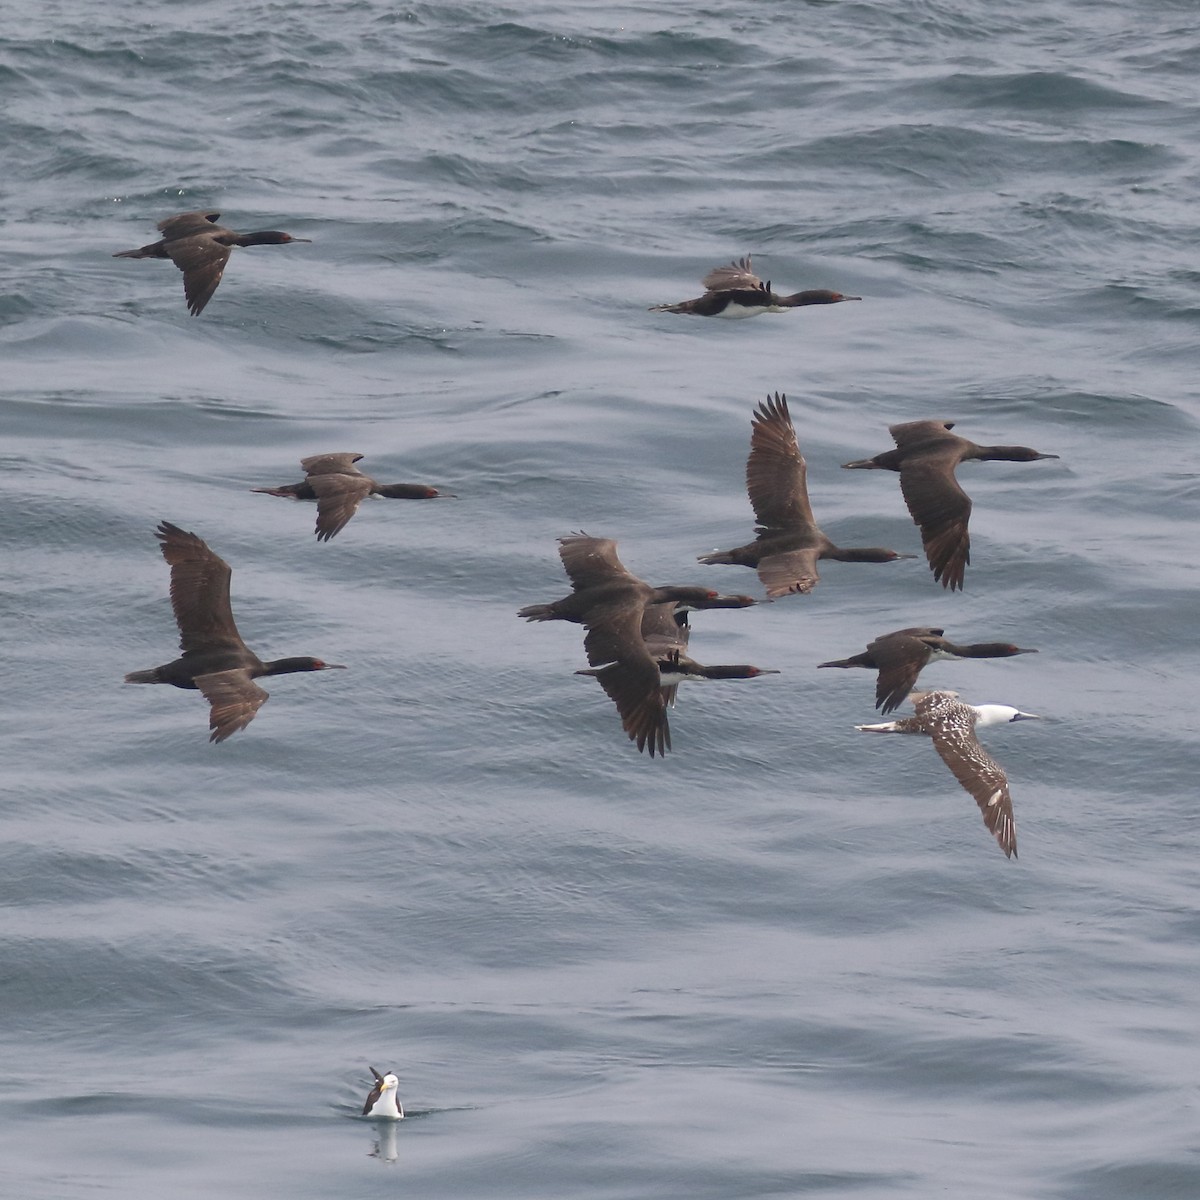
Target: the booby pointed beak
pixel 1024 716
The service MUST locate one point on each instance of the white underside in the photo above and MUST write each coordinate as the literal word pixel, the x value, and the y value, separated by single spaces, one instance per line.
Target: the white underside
pixel 386 1108
pixel 940 655
pixel 739 312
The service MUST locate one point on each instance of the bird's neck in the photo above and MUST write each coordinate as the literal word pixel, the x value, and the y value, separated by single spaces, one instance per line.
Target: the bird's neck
pixel 869 554
pixel 405 491
pixel 1004 453
pixel 984 650
pixel 264 237
pixel 286 666
pixel 798 299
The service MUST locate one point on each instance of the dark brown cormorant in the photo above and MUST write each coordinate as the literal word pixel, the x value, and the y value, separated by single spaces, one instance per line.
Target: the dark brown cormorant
pixel 735 292
pixel 666 631
pixel 215 660
pixel 609 601
pixel 200 248
pixel 901 656
pixel 339 487
pixel 925 456
pixel 789 542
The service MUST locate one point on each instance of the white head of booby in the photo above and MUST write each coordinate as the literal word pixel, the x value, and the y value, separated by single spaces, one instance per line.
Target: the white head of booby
pixel 985 714
pixel 1000 714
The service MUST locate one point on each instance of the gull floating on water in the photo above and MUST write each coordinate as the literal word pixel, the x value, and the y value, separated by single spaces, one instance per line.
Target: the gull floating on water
pixel 381 1102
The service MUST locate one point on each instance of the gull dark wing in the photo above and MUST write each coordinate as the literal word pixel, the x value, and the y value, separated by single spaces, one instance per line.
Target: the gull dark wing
pixel 374 1093
pixel 199 591
pixel 234 700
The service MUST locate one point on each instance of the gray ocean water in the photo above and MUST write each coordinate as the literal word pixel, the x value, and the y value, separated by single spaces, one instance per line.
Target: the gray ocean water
pixel 786 960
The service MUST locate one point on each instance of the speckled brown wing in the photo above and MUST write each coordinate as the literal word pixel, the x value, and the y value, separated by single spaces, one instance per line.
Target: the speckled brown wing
pixel 202 260
pixel 591 561
pixel 199 591
pixel 338 498
pixel 942 510
pixel 739 274
pixel 234 699
pixel 951 724
pixel 789 573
